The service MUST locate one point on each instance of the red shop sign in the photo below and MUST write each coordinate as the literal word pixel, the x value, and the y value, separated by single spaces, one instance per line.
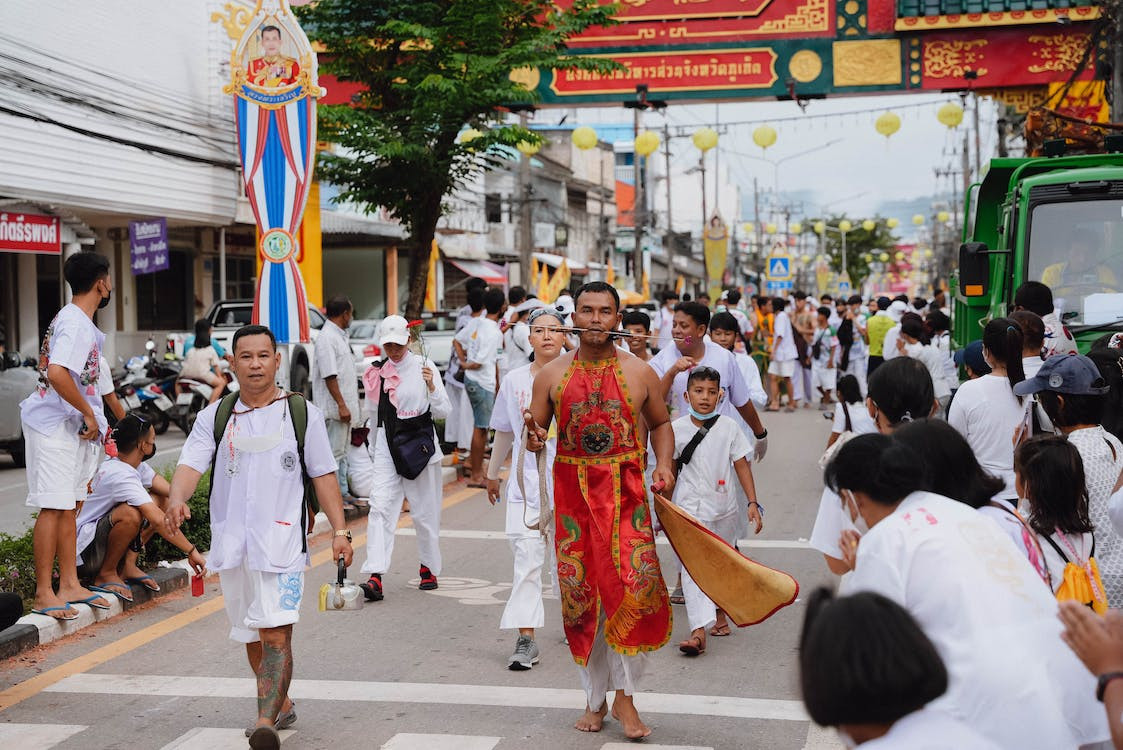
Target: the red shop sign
pixel 29 233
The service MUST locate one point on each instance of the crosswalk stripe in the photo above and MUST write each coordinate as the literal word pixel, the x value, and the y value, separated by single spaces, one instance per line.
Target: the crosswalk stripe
pixel 500 535
pixel 216 738
pixel 406 741
pixel 632 745
pixel 35 736
pixel 428 693
pixel 822 738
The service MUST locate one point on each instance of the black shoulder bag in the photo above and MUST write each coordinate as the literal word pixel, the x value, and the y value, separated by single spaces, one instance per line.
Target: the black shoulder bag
pixel 688 451
pixel 410 440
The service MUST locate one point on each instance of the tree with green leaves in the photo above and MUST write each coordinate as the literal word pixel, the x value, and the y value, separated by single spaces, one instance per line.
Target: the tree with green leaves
pixel 428 69
pixel 859 243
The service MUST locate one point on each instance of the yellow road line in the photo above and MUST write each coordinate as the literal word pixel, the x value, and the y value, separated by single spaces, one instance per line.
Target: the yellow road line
pixel 35 685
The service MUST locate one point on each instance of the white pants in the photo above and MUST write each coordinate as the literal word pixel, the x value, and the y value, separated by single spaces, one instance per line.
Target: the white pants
pixel 608 670
pixel 824 378
pixel 255 600
pixel 700 611
pixel 801 383
pixel 426 495
pixel 60 466
pixel 857 366
pixel 339 435
pixel 466 422
pixel 524 606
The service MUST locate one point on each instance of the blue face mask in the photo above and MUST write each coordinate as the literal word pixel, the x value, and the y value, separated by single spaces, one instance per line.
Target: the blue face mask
pixel 699 415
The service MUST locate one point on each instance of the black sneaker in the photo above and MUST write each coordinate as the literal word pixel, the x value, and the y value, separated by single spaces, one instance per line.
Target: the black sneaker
pixel 372 589
pixel 428 580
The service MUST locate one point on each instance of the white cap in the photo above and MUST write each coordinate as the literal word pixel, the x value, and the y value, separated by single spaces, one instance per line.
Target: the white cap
pixel 393 330
pixel 531 303
pixel 565 304
pixel 897 309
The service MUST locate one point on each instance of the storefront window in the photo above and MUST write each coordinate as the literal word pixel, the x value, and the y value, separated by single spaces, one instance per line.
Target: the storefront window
pixel 164 300
pixel 241 279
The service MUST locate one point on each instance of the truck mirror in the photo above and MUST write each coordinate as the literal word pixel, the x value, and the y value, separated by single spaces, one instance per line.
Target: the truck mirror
pixel 974 269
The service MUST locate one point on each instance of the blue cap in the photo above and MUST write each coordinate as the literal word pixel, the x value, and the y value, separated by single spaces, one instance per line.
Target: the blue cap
pixel 972 356
pixel 1072 373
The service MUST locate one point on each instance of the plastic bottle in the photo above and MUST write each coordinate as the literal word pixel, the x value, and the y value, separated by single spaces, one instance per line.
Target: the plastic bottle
pixel 721 489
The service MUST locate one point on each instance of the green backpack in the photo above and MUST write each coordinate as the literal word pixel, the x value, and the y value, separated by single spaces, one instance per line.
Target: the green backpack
pixel 298 412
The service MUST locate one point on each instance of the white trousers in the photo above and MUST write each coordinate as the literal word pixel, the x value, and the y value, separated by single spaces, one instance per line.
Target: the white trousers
pixel 801 383
pixel 700 610
pixel 524 606
pixel 425 499
pixel 857 366
pixel 608 670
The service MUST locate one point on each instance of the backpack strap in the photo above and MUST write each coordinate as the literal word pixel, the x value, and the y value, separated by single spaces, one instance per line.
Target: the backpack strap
pixel 298 412
pixel 1060 552
pixel 221 420
pixel 688 451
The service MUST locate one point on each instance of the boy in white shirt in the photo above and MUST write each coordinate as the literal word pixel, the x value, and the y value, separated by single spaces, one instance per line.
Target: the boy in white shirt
pixel 824 358
pixel 703 489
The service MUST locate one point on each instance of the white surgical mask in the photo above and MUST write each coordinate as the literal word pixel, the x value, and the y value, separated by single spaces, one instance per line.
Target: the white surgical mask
pixel 256 443
pixel 855 516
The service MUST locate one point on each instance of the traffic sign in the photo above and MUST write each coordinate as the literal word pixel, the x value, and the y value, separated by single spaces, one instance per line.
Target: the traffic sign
pixel 775 287
pixel 779 268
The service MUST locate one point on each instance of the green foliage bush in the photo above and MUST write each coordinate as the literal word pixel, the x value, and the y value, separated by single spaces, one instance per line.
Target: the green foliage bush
pixel 197 529
pixel 17 567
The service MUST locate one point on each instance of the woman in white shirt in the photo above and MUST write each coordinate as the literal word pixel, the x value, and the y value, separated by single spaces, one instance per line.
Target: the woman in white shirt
pixel 873 690
pixel 986 411
pixel 913 341
pixel 403 388
pixel 975 596
pixel 202 362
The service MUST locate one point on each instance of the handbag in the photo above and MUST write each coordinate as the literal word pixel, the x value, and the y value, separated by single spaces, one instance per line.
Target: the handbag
pixel 410 440
pixel 359 436
pixel 843 438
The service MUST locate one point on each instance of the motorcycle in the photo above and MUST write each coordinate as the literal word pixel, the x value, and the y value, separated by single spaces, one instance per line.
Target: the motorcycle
pixel 143 389
pixel 192 396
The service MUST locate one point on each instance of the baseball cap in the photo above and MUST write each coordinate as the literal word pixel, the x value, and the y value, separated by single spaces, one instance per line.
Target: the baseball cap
pixel 1073 374
pixel 972 356
pixel 393 330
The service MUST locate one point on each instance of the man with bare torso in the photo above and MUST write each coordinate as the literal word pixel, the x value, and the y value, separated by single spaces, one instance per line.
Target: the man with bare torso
pixel 614 601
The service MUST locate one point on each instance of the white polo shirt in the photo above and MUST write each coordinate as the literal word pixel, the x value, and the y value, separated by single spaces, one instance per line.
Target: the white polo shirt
pixel 722 360
pixel 335 358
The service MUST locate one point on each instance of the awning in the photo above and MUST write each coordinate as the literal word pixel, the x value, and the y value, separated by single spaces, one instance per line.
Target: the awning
pixel 481 269
pixel 553 261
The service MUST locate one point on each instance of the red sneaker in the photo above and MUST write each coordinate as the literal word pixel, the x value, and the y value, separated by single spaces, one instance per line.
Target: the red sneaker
pixel 428 580
pixel 372 589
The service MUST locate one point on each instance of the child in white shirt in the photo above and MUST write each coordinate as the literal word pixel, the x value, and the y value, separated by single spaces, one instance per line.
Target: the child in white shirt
pixel 825 352
pixel 703 489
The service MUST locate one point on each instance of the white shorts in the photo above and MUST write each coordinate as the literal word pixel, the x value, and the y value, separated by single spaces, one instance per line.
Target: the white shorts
pixel 255 600
pixel 825 378
pixel 782 369
pixel 59 467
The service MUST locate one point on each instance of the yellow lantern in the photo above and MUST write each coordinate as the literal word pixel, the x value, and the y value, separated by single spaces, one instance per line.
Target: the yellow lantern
pixel 528 148
pixel 918 220
pixel 867 257
pixel 899 256
pixel 943 217
pixel 820 227
pixel 770 228
pixel 888 124
pixel 884 257
pixel 764 136
pixel 806 259
pixel 950 115
pixel 928 253
pixel 795 227
pixel 845 226
pixel 892 223
pixel 646 143
pixel 748 227
pixel 584 137
pixel 704 139
pixel 869 225
pixel 468 136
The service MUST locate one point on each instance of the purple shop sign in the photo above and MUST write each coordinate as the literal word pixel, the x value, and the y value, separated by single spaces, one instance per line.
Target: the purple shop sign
pixel 148 246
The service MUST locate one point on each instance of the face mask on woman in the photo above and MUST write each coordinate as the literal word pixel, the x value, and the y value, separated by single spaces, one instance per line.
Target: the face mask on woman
pixel 855 516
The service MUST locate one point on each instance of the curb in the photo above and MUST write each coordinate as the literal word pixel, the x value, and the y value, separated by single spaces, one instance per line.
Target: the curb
pixel 35 630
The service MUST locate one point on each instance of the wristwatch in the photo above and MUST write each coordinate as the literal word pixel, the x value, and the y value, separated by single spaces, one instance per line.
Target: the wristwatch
pixel 1103 681
pixel 761 436
pixel 343 532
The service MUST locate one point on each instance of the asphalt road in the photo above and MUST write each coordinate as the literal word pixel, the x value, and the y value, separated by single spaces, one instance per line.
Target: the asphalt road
pixel 428 669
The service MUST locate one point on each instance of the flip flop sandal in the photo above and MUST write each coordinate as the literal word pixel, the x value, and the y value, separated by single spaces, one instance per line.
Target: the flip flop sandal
pixel 721 631
pixel 90 601
pixel 692 647
pixel 147 581
pixel 284 720
pixel 265 738
pixel 105 588
pixel 45 611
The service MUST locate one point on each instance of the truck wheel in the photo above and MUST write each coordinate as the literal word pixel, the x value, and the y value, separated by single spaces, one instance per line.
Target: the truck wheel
pixel 19 454
pixel 299 380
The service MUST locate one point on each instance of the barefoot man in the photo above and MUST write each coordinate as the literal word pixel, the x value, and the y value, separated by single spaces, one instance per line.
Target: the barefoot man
pixel 614 601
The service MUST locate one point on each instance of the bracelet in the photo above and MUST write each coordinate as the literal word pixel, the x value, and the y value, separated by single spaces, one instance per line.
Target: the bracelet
pixel 193 548
pixel 761 436
pixel 759 507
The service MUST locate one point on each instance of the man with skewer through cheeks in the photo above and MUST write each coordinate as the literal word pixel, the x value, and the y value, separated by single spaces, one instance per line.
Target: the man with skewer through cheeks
pixel 614 602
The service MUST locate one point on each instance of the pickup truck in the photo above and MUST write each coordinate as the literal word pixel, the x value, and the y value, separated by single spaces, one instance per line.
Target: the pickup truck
pixel 16 383
pixel 227 316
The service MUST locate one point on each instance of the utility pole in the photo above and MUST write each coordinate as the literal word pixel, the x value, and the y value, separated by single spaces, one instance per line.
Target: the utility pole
pixel 526 227
pixel 667 162
pixel 978 140
pixel 759 232
pixel 639 210
pixel 705 211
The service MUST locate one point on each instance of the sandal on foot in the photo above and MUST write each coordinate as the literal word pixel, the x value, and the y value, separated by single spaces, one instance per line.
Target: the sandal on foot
pixel 284 720
pixel 693 646
pixel 90 601
pixel 105 588
pixel 720 630
pixel 46 612
pixel 147 581
pixel 265 738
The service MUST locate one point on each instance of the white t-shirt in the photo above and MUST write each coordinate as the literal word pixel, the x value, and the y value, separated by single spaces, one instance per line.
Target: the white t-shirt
pixel 697 491
pixel 828 347
pixel 931 358
pixel 74 342
pixel 991 618
pixel 483 348
pixel 987 413
pixel 334 357
pixel 200 362
pixel 783 345
pixel 115 482
pixel 514 397
pixel 665 323
pixel 1030 365
pixel 860 420
pixel 1058 340
pixel 105 377
pixel 736 390
pixel 743 321
pixel 516 347
pixel 889 348
pixel 832 519
pixel 942 342
pixel 929 729
pixel 257 499
pixel 1082 544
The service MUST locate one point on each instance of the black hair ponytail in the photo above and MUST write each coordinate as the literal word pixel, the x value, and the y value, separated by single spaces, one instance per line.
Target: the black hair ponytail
pixel 1004 339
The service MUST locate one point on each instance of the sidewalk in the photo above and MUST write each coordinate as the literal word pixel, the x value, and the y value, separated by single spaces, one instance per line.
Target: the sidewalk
pixel 35 630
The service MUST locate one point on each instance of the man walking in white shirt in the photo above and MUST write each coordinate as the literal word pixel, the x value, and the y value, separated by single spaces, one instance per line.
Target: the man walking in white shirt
pixel 782 366
pixel 481 379
pixel 335 384
pixel 259 515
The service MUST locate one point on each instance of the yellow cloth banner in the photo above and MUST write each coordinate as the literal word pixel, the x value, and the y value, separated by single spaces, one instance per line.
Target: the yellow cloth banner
pixel 431 281
pixel 559 282
pixel 716 249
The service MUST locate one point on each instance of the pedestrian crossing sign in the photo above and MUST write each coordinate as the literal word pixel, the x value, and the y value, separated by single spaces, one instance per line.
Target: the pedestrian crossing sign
pixel 780 268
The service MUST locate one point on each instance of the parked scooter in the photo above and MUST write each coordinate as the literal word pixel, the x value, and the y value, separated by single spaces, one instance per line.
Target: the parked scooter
pixel 143 389
pixel 192 396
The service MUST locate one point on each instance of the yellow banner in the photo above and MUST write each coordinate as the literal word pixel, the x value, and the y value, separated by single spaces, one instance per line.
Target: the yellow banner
pixel 431 281
pixel 716 249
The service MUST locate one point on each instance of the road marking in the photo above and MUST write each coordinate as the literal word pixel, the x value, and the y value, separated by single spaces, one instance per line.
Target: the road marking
pixel 215 738
pixel 28 688
pixel 440 742
pixel 39 735
pixel 501 535
pixel 631 746
pixel 822 738
pixel 424 693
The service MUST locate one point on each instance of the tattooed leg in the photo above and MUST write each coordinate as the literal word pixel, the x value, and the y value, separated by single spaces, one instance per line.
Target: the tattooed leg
pixel 253 654
pixel 274 673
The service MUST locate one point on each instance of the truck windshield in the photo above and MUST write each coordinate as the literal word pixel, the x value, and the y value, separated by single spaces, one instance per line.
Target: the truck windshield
pixel 1076 249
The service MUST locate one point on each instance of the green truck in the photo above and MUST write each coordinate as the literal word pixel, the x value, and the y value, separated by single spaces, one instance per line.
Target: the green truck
pixel 1058 220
